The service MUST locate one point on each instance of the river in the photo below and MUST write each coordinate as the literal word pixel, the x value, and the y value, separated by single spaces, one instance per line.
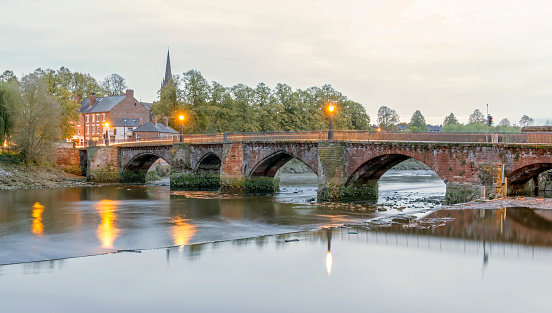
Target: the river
pixel 148 248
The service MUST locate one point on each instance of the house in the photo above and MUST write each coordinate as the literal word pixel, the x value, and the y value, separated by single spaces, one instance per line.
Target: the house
pixel 434 129
pixel 155 130
pixel 95 112
pixel 120 129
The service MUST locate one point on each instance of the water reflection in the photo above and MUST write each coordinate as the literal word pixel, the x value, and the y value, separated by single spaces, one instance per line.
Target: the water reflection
pixel 107 230
pixel 182 231
pixel 37 228
pixel 329 259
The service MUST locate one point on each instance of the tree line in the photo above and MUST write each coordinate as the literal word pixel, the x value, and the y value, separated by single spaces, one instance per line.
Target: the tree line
pixel 41 108
pixel 210 107
pixel 389 120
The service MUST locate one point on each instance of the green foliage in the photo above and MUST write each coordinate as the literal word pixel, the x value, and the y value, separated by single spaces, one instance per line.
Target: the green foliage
pixel 6 119
pixel 10 158
pixel 417 123
pixel 477 117
pixel 450 119
pixel 478 128
pixel 211 107
pixel 37 115
pixel 58 84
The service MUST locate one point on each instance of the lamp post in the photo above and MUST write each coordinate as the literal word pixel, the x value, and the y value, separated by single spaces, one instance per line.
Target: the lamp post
pixel 181 117
pixel 331 109
pixel 106 133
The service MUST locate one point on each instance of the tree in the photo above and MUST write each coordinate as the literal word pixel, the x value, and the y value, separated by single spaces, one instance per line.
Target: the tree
pixel 504 122
pixel 169 105
pixel 476 117
pixel 417 122
pixel 387 118
pixel 37 115
pixel 526 121
pixel 6 119
pixel 8 77
pixel 450 120
pixel 114 85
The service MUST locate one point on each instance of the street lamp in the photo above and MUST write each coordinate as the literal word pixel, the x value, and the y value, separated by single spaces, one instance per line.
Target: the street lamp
pixel 331 109
pixel 181 117
pixel 106 124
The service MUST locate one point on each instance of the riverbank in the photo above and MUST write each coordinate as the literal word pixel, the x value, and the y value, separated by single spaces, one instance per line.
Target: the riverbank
pixel 33 177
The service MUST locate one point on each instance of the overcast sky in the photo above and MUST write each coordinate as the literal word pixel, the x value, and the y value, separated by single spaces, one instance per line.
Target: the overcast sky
pixel 430 55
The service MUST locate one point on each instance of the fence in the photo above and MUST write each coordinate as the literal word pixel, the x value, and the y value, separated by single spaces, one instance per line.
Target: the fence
pixel 342 135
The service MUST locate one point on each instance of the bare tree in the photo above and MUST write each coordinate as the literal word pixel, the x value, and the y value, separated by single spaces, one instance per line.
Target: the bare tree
pixel 504 122
pixel 114 85
pixel 526 121
pixel 387 118
pixel 37 115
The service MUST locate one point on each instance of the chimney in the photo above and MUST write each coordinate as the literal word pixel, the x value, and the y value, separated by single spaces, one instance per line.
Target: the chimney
pixel 154 120
pixel 140 122
pixel 130 93
pixel 77 99
pixel 92 98
pixel 165 121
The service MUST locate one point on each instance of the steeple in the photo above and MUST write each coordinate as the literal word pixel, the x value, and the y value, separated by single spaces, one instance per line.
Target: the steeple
pixel 168 74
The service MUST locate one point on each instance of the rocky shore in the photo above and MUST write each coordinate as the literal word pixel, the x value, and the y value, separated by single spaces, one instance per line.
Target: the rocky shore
pixel 32 177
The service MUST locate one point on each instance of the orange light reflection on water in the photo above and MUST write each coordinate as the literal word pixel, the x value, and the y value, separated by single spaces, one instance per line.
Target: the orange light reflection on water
pixel 107 230
pixel 181 231
pixel 37 228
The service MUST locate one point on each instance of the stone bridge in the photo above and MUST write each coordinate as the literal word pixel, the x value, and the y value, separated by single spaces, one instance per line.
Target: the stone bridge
pixel 346 169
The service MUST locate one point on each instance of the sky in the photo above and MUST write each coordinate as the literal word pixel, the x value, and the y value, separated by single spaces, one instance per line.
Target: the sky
pixel 429 55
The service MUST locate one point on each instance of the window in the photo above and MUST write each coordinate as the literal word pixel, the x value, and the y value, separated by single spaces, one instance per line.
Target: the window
pixel 97 117
pixel 97 129
pixel 103 117
pixel 137 136
pixel 87 129
pixel 115 131
pixel 88 118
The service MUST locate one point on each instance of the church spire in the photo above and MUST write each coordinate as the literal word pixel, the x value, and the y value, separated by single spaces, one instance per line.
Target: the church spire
pixel 168 74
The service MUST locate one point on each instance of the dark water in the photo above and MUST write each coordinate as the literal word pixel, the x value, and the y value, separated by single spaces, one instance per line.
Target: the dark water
pixel 427 259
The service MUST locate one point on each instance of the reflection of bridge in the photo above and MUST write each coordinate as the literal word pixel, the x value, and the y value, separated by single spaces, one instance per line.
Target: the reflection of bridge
pixel 348 167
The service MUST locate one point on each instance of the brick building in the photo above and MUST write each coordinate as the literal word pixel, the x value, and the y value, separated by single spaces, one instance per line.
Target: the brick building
pixel 96 111
pixel 154 130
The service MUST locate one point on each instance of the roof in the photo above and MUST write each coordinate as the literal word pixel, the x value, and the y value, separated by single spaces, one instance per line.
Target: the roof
pixel 159 128
pixel 103 104
pixel 147 105
pixel 124 122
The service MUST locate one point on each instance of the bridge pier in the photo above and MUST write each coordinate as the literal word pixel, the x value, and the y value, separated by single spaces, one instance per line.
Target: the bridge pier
pixel 102 166
pixel 183 176
pixel 332 181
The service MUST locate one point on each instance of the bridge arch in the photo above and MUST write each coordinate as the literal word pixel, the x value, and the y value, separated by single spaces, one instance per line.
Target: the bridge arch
pixel 522 175
pixel 269 166
pixel 136 169
pixel 209 163
pixel 371 170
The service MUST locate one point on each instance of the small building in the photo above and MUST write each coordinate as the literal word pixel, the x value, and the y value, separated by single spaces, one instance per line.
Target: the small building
pixel 96 111
pixel 151 130
pixel 434 129
pixel 121 129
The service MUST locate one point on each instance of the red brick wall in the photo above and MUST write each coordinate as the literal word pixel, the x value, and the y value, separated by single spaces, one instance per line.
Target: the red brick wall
pixel 130 108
